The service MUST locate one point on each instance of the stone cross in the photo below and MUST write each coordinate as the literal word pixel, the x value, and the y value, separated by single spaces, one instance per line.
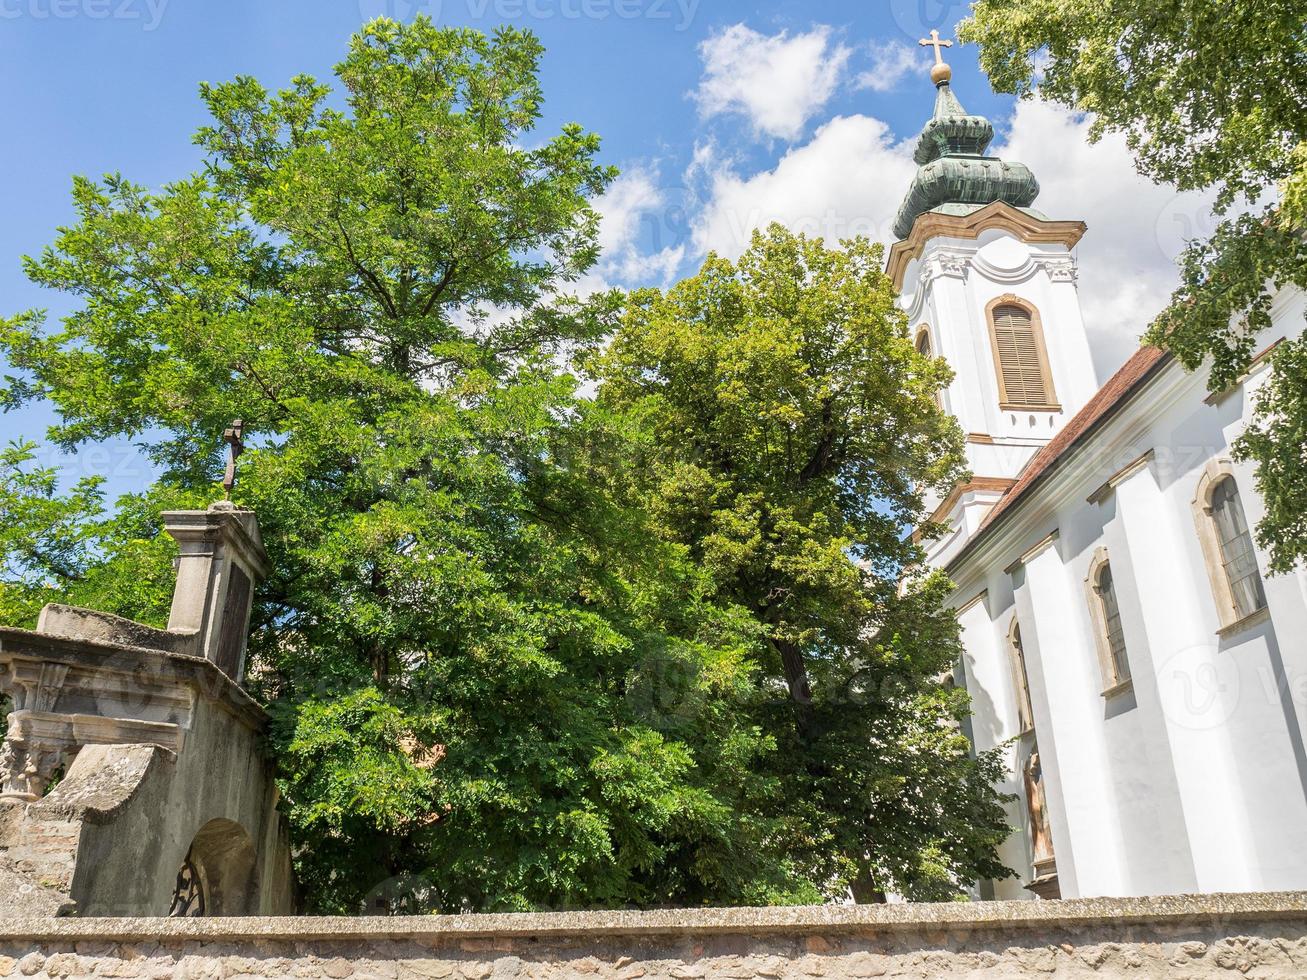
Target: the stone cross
pixel 934 42
pixel 232 437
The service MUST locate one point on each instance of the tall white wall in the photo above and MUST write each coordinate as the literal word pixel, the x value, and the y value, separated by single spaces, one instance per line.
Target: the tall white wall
pixel 1194 778
pixel 995 724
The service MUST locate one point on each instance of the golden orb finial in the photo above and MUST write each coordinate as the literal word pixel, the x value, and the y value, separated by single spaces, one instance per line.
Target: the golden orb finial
pixel 940 72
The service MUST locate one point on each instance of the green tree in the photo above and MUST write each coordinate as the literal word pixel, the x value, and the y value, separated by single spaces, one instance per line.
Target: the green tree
pixel 790 431
pixel 492 666
pixel 64 545
pixel 43 533
pixel 1209 96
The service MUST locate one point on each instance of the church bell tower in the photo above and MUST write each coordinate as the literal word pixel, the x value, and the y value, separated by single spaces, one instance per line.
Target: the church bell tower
pixel 989 284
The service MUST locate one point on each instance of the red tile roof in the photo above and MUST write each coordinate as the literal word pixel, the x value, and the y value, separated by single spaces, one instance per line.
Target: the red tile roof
pixel 1141 366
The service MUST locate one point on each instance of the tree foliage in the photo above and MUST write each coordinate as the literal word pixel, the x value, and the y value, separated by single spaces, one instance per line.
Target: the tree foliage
pixel 1209 95
pixel 788 432
pixel 506 658
pixel 63 544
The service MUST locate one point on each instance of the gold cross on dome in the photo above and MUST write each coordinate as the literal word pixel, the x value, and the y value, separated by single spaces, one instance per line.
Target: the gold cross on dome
pixel 935 42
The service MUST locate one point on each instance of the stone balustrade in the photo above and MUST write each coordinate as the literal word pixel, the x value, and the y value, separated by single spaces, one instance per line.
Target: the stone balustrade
pixel 1262 935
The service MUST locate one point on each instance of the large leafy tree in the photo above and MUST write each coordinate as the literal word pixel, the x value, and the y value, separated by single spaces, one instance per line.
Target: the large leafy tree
pixel 1209 96
pixel 789 432
pixel 62 544
pixel 499 676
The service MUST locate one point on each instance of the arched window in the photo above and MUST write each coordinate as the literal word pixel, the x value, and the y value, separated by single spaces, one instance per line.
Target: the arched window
pixel 926 349
pixel 1238 559
pixel 1228 546
pixel 1020 359
pixel 1109 632
pixel 1020 680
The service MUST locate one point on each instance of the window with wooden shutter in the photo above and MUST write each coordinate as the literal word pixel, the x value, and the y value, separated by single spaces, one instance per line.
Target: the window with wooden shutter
pixel 1019 356
pixel 926 349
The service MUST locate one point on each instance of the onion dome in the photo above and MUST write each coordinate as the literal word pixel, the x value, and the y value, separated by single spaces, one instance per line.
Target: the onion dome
pixel 954 175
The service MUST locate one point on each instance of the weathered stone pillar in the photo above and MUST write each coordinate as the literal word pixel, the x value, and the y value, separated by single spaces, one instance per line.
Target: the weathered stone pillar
pixel 221 561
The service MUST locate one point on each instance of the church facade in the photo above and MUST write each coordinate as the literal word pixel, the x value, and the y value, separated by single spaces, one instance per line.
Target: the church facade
pixel 1124 646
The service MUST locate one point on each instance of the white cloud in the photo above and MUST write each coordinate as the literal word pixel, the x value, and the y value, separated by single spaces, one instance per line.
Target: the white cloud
pixel 890 63
pixel 633 217
pixel 851 176
pixel 1127 258
pixel 776 81
pixel 848 180
pixel 631 195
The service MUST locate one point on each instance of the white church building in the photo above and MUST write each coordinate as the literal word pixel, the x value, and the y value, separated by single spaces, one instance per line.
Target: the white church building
pixel 1144 676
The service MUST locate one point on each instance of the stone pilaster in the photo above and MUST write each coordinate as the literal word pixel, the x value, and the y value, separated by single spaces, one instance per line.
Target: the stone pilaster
pixel 221 561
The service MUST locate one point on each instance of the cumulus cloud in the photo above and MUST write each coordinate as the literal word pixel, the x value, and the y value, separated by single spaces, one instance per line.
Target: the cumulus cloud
pixel 776 81
pixel 1127 258
pixel 634 246
pixel 634 193
pixel 848 180
pixel 890 64
pixel 851 176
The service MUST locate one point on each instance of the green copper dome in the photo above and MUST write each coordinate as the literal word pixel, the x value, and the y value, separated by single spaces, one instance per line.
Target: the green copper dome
pixel 954 171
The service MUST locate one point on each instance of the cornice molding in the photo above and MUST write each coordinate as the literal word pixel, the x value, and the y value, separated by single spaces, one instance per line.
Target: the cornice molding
pixel 1037 548
pixel 1119 477
pixel 1127 426
pixel 979 597
pixel 997 215
pixel 993 484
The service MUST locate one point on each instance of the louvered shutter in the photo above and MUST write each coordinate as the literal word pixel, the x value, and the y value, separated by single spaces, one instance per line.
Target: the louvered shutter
pixel 1019 363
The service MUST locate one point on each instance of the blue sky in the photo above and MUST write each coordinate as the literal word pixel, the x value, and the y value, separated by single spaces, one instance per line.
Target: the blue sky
pixel 721 114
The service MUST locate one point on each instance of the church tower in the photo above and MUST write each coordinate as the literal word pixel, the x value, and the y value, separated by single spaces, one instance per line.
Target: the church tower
pixel 989 284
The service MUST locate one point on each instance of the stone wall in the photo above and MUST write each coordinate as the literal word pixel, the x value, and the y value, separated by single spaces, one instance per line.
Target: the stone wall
pixel 1256 935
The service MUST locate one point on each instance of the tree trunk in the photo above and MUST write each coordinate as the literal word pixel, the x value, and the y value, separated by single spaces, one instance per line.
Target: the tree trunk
pixel 865 891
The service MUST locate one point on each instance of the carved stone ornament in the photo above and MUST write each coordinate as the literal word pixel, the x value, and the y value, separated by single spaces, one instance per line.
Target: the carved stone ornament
pixel 944 263
pixel 27 766
pixel 1060 269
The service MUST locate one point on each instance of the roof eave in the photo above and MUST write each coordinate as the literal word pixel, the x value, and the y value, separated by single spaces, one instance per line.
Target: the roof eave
pixel 1030 491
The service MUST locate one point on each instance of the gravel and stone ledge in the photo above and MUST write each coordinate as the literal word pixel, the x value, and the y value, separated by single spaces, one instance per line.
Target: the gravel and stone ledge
pixel 1255 935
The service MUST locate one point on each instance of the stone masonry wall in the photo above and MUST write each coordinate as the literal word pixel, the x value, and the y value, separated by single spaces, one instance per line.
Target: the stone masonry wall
pixel 1263 935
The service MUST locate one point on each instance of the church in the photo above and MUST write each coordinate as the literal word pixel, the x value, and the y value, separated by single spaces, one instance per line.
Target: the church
pixel 1123 644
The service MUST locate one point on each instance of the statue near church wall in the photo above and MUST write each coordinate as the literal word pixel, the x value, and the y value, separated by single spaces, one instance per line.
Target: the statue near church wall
pixel 1041 835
